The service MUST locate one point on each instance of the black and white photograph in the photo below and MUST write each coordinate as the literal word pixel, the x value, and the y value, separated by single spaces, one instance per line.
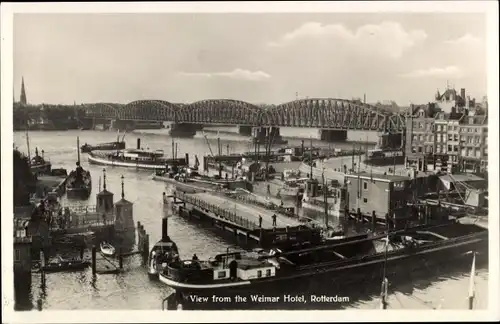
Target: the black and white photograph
pixel 251 156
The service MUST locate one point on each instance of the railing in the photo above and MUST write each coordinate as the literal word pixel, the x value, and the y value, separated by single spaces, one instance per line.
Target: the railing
pixel 80 209
pixel 220 212
pixel 267 205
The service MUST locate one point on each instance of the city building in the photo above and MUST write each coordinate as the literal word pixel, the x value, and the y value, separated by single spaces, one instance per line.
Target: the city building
pixel 22 255
pixel 448 135
pixel 379 193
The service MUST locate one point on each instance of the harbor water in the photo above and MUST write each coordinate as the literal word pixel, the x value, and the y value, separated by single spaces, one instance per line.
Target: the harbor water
pixel 132 290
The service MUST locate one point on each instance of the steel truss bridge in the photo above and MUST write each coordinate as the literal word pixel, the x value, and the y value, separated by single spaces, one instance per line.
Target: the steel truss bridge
pixel 337 114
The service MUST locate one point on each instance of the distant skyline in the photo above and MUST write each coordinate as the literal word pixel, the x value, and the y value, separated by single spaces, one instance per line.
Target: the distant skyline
pixel 259 58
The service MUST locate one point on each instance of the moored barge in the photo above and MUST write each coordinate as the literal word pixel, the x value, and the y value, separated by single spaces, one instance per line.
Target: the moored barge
pixel 281 271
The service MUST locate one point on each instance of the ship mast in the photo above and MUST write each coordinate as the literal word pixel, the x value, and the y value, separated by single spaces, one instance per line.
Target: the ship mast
pixel 471 283
pixel 311 158
pixel 325 197
pixel 78 147
pixel 28 143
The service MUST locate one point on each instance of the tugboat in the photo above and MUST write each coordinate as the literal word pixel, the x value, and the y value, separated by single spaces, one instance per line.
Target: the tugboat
pixel 79 182
pixel 250 274
pixel 39 165
pixel 163 252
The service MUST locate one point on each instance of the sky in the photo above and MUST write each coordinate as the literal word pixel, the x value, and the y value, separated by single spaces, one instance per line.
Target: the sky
pixel 258 58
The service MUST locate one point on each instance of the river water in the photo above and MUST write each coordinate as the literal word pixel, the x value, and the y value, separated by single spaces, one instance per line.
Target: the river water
pixel 444 288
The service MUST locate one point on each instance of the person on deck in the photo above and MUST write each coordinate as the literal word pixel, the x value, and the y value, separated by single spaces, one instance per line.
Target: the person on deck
pixel 274 220
pixel 195 257
pixel 260 221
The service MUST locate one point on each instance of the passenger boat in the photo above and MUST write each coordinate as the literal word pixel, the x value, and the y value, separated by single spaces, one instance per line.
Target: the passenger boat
pixel 38 165
pixel 138 158
pixel 59 264
pixel 134 158
pixel 249 274
pixel 79 181
pixel 107 249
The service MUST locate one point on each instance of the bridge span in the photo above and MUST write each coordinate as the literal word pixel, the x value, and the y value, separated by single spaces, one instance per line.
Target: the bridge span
pixel 330 114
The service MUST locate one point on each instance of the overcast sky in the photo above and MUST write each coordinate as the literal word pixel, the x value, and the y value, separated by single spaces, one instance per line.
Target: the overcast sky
pixel 260 58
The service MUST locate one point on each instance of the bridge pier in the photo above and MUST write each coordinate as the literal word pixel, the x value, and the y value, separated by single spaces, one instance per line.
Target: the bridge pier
pixel 332 135
pixel 122 125
pixel 245 130
pixel 390 140
pixel 184 130
pixel 262 134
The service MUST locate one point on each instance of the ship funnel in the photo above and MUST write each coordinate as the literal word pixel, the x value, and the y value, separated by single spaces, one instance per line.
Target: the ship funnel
pixel 138 143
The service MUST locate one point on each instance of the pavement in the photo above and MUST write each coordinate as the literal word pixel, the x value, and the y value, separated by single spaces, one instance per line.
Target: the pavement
pixel 250 212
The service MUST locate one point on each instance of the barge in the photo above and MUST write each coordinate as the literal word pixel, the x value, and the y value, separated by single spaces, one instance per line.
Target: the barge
pixel 282 271
pixel 111 146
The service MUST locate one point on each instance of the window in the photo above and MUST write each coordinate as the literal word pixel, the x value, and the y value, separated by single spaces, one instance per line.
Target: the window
pixel 439 127
pixel 438 149
pixel 445 128
pixel 476 130
pixel 17 255
pixel 420 149
pixel 365 200
pixel 221 274
pixel 268 272
pixel 455 137
pixel 450 137
pixel 415 138
pixel 259 273
pixel 420 138
pixel 365 185
pixel 420 125
pixel 455 148
pixel 450 148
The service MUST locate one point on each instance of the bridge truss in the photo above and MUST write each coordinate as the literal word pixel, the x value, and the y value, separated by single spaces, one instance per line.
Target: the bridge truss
pixel 338 114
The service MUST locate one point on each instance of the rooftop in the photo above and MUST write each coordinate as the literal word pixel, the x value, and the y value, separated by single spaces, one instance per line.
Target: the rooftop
pixel 378 177
pixel 463 177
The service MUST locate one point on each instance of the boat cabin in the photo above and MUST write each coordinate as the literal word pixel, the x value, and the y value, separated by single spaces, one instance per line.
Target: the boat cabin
pixel 141 155
pixel 226 267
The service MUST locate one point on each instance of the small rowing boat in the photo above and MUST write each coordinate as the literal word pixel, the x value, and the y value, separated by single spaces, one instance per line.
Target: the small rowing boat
pixel 107 249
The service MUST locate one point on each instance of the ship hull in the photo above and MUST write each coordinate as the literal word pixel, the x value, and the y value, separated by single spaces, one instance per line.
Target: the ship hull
pixel 315 280
pixel 103 147
pixel 103 161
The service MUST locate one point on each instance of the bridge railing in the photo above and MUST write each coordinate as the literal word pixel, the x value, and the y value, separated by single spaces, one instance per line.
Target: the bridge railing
pixel 217 210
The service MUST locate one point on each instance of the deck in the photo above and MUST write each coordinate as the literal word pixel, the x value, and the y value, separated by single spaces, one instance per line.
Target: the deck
pixel 237 212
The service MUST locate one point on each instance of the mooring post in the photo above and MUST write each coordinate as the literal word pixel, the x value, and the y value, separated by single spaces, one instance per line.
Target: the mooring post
pixel 42 266
pixel 120 259
pixel 145 253
pixel 374 220
pixel 94 267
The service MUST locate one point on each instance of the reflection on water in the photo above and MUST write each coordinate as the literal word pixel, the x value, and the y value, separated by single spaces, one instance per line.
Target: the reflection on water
pixel 132 288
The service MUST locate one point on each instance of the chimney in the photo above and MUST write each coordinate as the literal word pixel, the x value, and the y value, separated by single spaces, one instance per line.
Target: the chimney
pixel 364 98
pixel 462 93
pixel 138 143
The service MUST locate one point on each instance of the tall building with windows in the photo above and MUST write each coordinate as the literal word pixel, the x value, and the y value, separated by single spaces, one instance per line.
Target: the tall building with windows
pixel 449 135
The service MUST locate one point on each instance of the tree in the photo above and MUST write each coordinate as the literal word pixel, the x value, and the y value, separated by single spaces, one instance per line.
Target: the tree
pixel 24 180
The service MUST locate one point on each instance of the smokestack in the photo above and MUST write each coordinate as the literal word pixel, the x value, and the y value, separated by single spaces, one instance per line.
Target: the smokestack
pixel 364 98
pixel 138 143
pixel 187 159
pixel 164 229
pixel 462 93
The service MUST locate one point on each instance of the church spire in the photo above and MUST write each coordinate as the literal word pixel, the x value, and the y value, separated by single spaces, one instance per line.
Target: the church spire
pixel 23 100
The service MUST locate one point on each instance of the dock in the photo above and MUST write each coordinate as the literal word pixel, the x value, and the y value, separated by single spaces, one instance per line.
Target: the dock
pixel 240 220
